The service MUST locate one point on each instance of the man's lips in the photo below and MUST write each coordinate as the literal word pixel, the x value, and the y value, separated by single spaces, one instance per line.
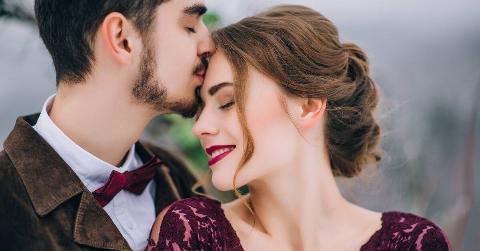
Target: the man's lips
pixel 201 77
pixel 218 152
pixel 201 71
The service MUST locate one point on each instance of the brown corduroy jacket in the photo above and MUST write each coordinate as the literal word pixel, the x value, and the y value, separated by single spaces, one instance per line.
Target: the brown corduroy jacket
pixel 45 206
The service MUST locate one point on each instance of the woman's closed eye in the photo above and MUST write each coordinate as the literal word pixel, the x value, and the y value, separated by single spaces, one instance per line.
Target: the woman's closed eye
pixel 227 105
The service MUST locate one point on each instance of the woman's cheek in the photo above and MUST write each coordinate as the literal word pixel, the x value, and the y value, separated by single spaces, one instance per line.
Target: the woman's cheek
pixel 273 135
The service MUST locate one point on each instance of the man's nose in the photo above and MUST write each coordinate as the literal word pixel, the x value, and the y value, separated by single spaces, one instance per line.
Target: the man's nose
pixel 206 45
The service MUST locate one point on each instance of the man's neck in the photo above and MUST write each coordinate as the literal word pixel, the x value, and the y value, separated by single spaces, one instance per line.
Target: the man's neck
pixel 100 121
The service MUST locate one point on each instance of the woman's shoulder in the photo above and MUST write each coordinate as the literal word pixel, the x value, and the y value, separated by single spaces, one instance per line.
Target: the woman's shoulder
pixel 195 223
pixel 406 231
pixel 194 204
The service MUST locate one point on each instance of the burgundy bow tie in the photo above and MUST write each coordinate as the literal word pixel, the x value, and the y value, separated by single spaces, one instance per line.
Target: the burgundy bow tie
pixel 133 181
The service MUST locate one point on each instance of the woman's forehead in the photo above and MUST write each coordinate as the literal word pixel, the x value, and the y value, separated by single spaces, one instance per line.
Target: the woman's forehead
pixel 219 71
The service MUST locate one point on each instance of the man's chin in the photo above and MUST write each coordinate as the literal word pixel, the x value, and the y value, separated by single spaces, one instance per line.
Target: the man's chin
pixel 184 108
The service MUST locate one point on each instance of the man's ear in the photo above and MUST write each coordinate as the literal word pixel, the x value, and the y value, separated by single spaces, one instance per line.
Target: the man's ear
pixel 120 37
pixel 312 110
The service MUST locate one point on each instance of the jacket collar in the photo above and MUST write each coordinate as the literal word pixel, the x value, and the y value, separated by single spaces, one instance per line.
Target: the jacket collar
pixel 166 190
pixel 50 182
pixel 48 179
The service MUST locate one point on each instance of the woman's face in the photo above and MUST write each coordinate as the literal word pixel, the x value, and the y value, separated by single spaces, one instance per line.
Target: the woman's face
pixel 218 127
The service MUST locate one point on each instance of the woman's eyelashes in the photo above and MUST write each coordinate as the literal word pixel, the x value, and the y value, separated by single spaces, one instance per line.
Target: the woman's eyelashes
pixel 227 105
pixel 191 30
pixel 223 107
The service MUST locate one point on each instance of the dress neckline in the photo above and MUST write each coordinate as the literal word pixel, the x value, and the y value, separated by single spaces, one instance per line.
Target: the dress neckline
pixel 377 233
pixel 372 238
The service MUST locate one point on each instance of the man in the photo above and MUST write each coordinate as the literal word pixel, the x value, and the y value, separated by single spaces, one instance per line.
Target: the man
pixel 75 177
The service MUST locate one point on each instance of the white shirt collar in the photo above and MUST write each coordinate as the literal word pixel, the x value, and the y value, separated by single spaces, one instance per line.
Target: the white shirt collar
pixel 91 170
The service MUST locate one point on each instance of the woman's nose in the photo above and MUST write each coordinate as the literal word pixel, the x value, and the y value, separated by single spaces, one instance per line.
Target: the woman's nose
pixel 205 125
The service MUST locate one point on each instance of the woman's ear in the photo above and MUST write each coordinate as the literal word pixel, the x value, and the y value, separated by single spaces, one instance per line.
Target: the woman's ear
pixel 312 110
pixel 119 37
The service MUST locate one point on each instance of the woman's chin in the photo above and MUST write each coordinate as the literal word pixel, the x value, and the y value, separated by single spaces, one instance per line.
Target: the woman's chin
pixel 223 173
pixel 222 182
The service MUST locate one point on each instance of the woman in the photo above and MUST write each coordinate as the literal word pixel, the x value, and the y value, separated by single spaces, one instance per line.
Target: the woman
pixel 286 108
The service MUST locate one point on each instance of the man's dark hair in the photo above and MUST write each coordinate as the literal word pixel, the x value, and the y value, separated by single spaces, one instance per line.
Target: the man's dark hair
pixel 68 29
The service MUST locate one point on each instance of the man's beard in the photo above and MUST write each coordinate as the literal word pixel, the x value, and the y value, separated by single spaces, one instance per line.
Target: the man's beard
pixel 148 90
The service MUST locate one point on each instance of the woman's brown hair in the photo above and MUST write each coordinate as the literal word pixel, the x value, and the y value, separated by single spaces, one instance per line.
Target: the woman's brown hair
pixel 300 50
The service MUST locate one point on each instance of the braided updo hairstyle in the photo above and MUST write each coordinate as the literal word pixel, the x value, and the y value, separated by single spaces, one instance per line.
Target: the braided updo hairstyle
pixel 300 50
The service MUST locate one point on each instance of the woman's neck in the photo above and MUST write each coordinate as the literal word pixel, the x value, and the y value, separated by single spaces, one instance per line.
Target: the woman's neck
pixel 301 205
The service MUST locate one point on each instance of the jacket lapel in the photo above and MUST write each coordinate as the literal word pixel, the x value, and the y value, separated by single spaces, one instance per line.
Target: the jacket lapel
pixel 50 182
pixel 93 226
pixel 166 190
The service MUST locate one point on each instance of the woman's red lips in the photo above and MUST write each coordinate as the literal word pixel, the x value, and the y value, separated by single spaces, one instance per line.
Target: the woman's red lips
pixel 213 148
pixel 218 152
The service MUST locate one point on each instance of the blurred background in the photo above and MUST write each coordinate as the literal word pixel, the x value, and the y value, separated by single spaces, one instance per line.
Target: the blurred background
pixel 425 56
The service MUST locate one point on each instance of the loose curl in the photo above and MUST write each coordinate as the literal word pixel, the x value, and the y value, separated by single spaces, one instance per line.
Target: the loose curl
pixel 300 50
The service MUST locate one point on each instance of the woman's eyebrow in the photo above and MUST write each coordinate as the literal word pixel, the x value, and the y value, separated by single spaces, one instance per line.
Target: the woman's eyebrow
pixel 214 89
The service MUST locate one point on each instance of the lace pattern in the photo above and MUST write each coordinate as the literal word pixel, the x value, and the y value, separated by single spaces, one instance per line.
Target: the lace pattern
pixel 199 223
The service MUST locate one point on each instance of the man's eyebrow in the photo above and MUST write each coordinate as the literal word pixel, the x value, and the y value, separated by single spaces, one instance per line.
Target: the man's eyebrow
pixel 214 89
pixel 197 9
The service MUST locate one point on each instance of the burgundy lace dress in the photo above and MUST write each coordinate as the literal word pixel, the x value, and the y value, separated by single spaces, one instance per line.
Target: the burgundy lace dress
pixel 199 223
